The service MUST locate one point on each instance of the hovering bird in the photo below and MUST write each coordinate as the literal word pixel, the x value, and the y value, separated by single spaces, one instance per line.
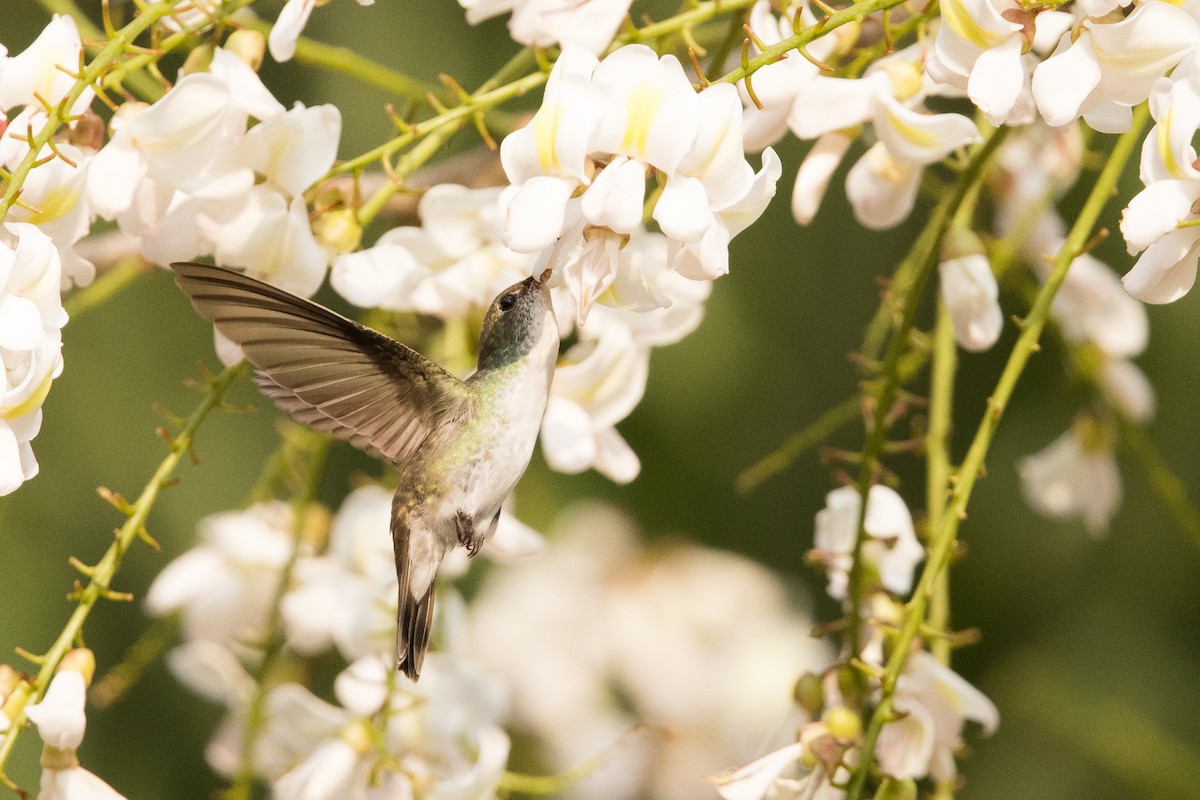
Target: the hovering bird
pixel 460 445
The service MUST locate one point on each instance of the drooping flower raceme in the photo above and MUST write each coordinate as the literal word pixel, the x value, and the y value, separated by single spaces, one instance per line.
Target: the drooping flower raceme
pixel 53 193
pixel 1161 222
pixel 187 178
pixel 692 638
pixel 1104 69
pixel 882 184
pixel 31 318
pixel 579 168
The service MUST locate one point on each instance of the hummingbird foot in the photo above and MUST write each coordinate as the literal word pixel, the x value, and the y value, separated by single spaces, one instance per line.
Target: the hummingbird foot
pixel 468 537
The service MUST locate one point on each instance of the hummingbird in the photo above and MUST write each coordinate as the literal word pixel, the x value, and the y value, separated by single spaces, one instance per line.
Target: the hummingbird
pixel 460 445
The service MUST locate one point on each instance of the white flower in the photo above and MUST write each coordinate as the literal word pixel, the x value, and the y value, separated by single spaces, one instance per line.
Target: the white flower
pixel 31 316
pixel 1091 306
pixel 59 716
pixel 1075 476
pixel 969 291
pixel 882 185
pixel 1127 388
pixel 597 383
pixel 982 48
pixel 289 25
pixel 892 548
pixel 333 771
pixel 935 703
pixel 698 640
pixel 75 783
pixel 453 264
pixel 225 586
pixel 1109 67
pixel 754 780
pixel 602 129
pixel 1153 220
pixel 186 177
pixel 541 23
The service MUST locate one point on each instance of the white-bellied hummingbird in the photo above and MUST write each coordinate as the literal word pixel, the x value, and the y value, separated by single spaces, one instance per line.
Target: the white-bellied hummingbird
pixel 460 445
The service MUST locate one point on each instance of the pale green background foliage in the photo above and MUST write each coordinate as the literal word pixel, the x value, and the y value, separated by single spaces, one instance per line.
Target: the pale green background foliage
pixel 1091 648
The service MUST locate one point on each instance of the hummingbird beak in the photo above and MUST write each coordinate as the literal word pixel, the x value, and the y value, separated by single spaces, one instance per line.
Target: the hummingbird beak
pixel 545 276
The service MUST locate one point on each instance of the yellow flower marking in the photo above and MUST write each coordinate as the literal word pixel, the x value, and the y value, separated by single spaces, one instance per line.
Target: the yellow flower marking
pixel 1163 140
pixel 919 137
pixel 30 403
pixel 641 110
pixel 55 204
pixel 545 135
pixel 955 14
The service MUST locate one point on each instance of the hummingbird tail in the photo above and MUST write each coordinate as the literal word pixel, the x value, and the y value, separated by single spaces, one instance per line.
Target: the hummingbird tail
pixel 412 632
pixel 418 555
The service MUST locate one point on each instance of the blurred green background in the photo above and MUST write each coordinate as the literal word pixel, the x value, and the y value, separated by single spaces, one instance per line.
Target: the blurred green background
pixel 1090 648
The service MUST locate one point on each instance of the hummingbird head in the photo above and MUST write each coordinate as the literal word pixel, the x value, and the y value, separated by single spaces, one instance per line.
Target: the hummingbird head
pixel 518 319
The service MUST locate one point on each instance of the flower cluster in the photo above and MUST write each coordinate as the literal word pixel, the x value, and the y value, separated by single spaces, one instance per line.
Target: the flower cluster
pixel 52 196
pixel 579 169
pixel 61 722
pixel 933 705
pixel 439 738
pixel 187 178
pixel 697 643
pixel 31 318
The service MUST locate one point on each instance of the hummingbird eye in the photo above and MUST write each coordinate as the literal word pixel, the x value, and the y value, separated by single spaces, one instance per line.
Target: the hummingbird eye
pixel 507 302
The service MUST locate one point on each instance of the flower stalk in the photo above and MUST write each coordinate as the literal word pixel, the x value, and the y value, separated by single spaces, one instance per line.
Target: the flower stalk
pixel 945 536
pixel 100 582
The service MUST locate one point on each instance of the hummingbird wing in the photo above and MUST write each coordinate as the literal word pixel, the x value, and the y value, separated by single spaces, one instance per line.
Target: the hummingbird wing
pixel 325 370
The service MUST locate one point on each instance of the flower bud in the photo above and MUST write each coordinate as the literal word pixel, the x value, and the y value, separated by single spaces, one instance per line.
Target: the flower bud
pixel 247 45
pixel 9 678
pixel 338 230
pixel 969 290
pixel 897 789
pixel 808 693
pixel 87 132
pixel 80 660
pixel 199 60
pixel 843 723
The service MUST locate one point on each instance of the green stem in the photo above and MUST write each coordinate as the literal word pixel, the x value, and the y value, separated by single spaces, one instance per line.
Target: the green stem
pixel 91 73
pixel 803 37
pixel 938 469
pixel 348 62
pixel 798 443
pixel 945 537
pixel 408 163
pixel 304 454
pixel 141 84
pixel 918 265
pixel 100 581
pixel 1170 488
pixel 479 102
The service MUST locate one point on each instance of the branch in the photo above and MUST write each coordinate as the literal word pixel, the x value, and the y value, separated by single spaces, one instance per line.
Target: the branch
pixel 944 539
pixel 102 574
